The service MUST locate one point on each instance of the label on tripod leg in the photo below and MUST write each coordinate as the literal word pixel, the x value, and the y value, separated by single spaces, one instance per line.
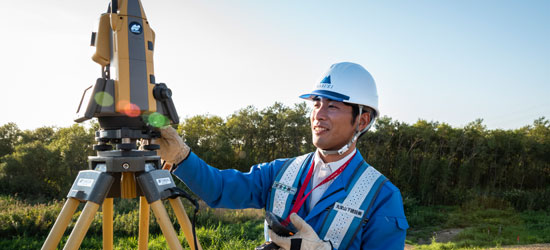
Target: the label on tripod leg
pixel 83 182
pixel 164 181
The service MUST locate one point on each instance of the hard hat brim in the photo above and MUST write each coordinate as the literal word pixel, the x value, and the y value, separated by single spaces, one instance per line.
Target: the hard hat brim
pixel 326 94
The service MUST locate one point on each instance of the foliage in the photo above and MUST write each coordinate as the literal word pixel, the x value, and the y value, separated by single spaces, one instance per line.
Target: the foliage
pixel 43 162
pixel 33 169
pixel 432 163
pixel 9 134
pixel 249 136
pixel 435 163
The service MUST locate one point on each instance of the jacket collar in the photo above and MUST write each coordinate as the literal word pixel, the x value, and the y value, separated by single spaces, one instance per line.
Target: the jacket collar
pixel 335 192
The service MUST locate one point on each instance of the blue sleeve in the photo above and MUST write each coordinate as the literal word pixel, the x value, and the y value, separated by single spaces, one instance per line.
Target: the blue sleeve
pixel 228 188
pixel 387 226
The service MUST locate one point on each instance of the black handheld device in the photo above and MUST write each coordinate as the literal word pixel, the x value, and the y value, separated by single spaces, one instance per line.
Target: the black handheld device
pixel 277 224
pixel 280 227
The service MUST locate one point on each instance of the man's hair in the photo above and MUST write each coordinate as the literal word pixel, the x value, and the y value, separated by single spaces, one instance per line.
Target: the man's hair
pixel 355 113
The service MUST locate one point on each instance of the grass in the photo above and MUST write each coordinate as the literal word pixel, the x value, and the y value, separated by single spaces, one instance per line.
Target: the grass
pixel 483 225
pixel 25 225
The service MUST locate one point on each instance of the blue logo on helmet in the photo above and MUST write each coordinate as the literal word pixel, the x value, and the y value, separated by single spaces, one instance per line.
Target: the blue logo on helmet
pixel 325 83
pixel 326 79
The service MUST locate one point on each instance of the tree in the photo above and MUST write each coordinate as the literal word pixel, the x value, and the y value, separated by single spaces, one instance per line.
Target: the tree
pixel 275 132
pixel 9 136
pixel 74 144
pixel 43 134
pixel 207 137
pixel 34 170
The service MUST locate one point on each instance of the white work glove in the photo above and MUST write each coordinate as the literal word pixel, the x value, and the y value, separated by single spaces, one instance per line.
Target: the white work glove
pixel 308 236
pixel 172 148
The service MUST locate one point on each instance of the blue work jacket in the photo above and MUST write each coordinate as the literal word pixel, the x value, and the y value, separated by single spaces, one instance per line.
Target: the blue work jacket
pixel 230 188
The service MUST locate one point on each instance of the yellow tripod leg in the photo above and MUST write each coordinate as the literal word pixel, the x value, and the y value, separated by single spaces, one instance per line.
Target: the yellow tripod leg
pixel 143 237
pixel 166 225
pixel 108 224
pixel 185 223
pixel 82 225
pixel 61 224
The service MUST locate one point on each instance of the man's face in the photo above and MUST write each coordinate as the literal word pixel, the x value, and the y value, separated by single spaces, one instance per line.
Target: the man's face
pixel 331 126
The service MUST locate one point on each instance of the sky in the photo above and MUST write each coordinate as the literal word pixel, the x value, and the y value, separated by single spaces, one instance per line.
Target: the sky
pixel 442 61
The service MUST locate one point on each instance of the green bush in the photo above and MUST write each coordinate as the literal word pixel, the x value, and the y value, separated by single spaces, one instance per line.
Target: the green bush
pixel 423 216
pixel 21 219
pixel 527 199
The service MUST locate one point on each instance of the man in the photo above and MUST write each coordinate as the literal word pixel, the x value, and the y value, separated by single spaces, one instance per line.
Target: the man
pixel 332 196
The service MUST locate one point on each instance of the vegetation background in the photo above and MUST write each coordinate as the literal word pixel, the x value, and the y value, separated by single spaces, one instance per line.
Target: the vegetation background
pixel 485 182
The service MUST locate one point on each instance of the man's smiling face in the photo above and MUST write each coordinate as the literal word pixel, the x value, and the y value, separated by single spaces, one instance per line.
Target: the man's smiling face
pixel 331 125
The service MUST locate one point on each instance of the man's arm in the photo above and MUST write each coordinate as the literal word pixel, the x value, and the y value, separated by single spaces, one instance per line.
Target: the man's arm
pixel 387 226
pixel 228 188
pixel 219 188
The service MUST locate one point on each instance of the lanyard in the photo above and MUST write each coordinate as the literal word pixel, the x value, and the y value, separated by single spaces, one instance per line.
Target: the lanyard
pixel 300 200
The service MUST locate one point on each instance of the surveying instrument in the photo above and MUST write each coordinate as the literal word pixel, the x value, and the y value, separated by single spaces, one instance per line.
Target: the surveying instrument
pixel 128 105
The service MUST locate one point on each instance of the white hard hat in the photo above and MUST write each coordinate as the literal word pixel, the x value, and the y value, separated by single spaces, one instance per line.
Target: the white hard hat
pixel 347 82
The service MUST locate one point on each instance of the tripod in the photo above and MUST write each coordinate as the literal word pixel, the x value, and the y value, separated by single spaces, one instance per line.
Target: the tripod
pixel 124 172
